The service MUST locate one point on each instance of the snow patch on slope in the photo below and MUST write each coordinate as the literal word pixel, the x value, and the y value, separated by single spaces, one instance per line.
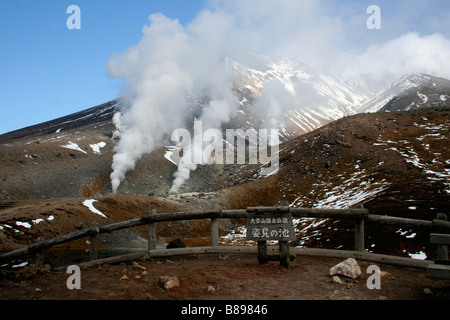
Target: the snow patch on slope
pixel 358 188
pixel 73 146
pixel 97 146
pixel 89 203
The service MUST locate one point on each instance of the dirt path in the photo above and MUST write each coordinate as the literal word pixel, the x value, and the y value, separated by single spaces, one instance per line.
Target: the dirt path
pixel 235 277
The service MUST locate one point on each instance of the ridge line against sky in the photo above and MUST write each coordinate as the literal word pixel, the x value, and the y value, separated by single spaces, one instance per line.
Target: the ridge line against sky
pixel 48 71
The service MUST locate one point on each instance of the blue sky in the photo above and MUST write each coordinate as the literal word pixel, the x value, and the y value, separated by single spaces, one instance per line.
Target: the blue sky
pixel 48 71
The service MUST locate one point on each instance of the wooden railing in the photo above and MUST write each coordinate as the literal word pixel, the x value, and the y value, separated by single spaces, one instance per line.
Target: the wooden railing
pixel 358 214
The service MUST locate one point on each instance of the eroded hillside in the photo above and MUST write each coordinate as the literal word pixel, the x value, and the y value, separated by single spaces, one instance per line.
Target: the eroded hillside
pixel 395 163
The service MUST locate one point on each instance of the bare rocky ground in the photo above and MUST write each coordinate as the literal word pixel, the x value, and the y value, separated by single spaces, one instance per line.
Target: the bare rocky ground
pixel 234 277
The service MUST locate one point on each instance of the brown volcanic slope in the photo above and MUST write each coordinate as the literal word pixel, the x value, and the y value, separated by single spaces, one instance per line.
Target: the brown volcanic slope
pixel 396 163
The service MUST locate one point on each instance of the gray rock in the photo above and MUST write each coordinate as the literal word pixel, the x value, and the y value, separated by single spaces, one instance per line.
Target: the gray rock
pixel 168 282
pixel 336 279
pixel 348 268
pixel 428 291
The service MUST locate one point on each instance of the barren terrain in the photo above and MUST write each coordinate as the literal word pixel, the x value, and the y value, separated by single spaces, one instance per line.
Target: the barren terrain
pixel 234 277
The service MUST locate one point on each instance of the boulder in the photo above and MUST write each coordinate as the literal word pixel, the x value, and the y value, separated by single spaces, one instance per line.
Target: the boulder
pixel 168 282
pixel 178 243
pixel 348 268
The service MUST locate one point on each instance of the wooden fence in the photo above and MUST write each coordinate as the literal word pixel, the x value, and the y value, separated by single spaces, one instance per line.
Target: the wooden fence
pixel 358 214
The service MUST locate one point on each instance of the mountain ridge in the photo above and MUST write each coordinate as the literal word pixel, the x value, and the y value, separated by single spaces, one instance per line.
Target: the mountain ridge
pixel 102 112
pixel 404 86
pixel 311 99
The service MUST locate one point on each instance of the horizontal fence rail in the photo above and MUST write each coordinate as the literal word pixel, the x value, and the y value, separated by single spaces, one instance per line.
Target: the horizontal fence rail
pixel 359 215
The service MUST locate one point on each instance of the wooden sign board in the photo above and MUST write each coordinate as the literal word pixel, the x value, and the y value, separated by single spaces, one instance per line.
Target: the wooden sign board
pixel 270 226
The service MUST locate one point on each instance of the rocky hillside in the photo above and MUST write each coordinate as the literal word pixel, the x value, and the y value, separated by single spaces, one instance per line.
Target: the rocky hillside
pixel 395 163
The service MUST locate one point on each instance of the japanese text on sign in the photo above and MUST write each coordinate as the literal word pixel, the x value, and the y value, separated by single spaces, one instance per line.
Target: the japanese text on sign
pixel 270 227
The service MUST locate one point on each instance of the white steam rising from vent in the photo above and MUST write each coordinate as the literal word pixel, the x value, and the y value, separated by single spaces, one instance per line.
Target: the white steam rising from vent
pixel 167 72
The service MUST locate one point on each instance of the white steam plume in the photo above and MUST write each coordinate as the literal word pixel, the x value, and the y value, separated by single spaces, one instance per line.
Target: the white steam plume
pixel 166 72
pixel 388 61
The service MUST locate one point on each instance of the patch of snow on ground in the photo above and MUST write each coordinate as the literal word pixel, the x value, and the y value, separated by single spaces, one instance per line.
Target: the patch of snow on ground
pixel 96 147
pixel 423 97
pixel 168 154
pixel 36 221
pixel 303 226
pixel 9 227
pixel 347 198
pixel 90 204
pixel 23 224
pixel 20 265
pixel 420 255
pixel 236 235
pixel 438 132
pixel 73 146
pixel 405 233
pixel 356 189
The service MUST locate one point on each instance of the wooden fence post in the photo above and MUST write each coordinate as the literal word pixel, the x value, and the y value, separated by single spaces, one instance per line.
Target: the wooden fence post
pixel 285 257
pixel 93 240
pixel 39 255
pixel 442 249
pixel 152 233
pixel 262 252
pixel 214 232
pixel 359 231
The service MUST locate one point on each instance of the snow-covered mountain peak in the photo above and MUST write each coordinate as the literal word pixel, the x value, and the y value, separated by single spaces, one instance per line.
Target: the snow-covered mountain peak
pixel 308 99
pixel 411 80
pixel 255 71
pixel 410 91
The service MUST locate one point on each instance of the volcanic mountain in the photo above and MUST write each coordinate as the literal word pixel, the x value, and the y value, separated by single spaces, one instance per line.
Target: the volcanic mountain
pixel 411 91
pixel 332 155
